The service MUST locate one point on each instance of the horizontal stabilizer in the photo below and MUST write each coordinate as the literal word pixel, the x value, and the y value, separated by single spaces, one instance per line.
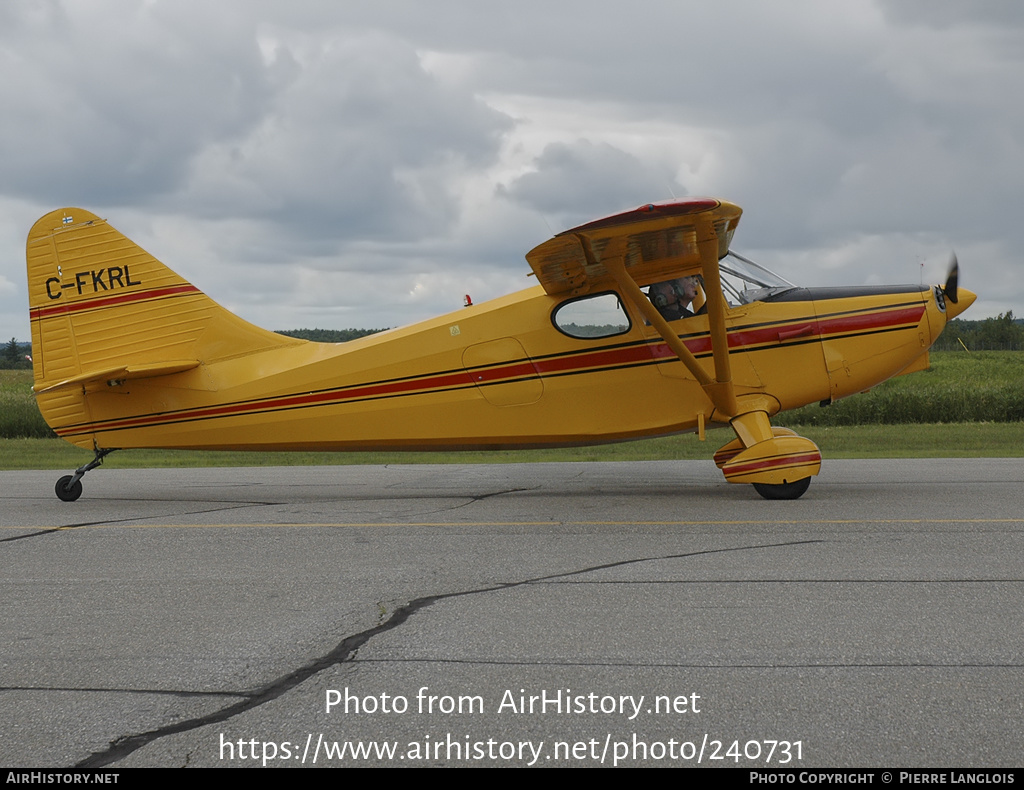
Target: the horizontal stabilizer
pixel 123 373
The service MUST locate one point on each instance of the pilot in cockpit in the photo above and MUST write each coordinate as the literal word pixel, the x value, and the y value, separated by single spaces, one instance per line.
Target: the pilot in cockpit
pixel 674 298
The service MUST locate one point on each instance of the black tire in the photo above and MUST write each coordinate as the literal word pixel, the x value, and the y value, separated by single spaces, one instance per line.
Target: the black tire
pixel 66 493
pixel 793 490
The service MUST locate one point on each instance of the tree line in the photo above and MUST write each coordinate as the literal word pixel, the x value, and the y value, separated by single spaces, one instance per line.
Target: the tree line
pixel 14 355
pixel 1002 333
pixel 328 335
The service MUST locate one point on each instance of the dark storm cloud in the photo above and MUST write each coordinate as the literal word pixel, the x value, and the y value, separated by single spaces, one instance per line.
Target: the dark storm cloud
pixel 176 107
pixel 357 145
pixel 580 181
pixel 110 109
pixel 946 13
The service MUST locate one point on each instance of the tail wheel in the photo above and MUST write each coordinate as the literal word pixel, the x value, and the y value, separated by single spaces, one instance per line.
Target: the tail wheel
pixel 67 491
pixel 793 490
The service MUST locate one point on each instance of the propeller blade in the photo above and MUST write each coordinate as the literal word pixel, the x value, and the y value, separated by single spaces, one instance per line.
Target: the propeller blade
pixel 949 289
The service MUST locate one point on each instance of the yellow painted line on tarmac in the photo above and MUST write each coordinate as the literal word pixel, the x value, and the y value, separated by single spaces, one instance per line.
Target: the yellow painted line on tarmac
pixel 556 522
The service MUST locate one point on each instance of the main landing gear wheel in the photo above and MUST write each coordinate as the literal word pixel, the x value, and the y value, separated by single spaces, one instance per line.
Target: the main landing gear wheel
pixel 66 490
pixel 793 490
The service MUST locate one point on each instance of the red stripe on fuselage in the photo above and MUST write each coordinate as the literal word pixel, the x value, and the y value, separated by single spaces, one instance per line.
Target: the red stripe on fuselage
pixel 860 321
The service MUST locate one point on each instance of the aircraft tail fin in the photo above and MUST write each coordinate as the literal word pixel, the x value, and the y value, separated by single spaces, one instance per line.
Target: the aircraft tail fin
pixel 104 309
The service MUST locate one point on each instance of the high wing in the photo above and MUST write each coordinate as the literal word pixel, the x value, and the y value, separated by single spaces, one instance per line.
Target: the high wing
pixel 656 241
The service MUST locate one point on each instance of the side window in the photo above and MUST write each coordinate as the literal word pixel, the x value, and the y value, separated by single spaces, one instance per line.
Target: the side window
pixel 592 316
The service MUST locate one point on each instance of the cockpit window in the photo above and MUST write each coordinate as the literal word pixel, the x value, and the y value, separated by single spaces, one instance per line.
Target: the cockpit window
pixel 601 315
pixel 745 281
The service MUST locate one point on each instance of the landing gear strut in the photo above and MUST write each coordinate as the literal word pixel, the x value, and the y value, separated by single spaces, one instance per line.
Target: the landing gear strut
pixel 69 487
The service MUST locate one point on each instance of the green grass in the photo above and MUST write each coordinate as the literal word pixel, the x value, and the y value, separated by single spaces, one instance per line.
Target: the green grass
pixel 19 415
pixel 983 386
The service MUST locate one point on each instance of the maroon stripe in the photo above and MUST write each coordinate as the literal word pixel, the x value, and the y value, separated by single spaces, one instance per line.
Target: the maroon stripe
pixel 459 379
pixel 596 359
pixel 861 322
pixel 866 321
pixel 770 463
pixel 110 301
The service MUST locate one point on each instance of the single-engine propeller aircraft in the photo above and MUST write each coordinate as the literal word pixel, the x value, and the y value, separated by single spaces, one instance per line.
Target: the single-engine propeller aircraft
pixel 127 354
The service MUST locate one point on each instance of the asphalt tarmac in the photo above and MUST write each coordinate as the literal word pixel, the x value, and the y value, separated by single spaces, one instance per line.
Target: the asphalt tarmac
pixel 624 614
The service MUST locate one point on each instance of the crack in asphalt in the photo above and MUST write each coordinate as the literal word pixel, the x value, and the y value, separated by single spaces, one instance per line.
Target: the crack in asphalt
pixel 481 497
pixel 470 500
pixel 346 650
pixel 32 534
pixel 111 522
pixel 147 692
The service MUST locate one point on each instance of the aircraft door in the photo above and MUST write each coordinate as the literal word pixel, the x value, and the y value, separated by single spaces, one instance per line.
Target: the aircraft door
pixel 503 372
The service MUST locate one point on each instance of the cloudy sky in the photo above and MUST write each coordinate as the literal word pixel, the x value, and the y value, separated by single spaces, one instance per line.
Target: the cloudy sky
pixel 314 163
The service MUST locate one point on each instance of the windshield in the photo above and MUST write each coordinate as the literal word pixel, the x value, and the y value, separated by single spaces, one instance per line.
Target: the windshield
pixel 745 281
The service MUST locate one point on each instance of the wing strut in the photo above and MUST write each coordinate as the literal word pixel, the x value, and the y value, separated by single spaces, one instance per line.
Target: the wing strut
pixel 718 389
pixel 721 391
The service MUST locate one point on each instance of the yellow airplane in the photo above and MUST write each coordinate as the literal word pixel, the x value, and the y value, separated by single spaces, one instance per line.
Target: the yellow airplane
pixel 127 354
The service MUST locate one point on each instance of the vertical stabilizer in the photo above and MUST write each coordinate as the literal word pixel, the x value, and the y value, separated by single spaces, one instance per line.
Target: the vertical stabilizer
pixel 103 308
